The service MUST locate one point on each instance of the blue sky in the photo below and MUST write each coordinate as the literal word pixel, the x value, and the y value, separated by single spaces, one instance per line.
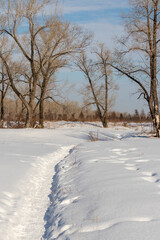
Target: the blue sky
pixel 103 18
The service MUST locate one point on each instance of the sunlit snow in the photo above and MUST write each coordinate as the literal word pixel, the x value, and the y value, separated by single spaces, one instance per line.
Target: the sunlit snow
pixel 57 184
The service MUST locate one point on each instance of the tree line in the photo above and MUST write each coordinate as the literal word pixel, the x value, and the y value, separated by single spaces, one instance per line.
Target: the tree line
pixel 14 115
pixel 35 46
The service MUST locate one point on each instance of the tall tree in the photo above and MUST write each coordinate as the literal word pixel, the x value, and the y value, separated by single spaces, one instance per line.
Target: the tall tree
pixel 15 14
pixel 4 81
pixel 138 57
pixel 98 73
pixel 55 45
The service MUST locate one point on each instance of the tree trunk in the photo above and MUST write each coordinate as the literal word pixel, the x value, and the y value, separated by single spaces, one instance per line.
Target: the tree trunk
pixel 41 101
pixel 2 111
pixel 157 125
pixel 29 118
pixel 154 70
pixel 41 114
pixel 154 111
pixel 104 121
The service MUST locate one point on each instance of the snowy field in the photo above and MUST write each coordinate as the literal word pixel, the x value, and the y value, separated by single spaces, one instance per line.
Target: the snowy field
pixel 57 184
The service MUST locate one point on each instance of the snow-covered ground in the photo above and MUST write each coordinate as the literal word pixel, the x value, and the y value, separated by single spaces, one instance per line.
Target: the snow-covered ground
pixel 57 184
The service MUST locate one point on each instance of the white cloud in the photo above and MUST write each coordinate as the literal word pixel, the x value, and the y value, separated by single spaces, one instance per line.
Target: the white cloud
pixel 105 29
pixel 93 5
pixel 73 6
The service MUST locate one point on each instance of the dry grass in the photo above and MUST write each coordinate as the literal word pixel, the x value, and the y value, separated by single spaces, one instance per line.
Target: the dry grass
pixel 93 136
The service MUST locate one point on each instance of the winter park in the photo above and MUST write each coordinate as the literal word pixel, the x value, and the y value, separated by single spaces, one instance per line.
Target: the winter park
pixel 79 120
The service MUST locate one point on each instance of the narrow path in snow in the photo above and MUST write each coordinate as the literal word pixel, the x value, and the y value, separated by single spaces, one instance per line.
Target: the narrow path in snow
pixel 28 220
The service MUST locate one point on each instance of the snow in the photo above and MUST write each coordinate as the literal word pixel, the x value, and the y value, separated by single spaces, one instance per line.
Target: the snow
pixel 56 184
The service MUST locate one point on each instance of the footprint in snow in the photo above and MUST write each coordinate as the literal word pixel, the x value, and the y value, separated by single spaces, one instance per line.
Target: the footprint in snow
pixel 150 177
pixel 132 168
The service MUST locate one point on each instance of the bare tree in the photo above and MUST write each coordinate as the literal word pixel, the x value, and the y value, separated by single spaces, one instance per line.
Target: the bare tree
pixel 4 80
pixel 15 14
pixel 139 54
pixel 99 75
pixel 60 41
pixel 4 86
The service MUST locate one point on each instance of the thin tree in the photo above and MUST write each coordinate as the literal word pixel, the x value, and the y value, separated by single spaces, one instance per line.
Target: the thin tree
pixel 99 76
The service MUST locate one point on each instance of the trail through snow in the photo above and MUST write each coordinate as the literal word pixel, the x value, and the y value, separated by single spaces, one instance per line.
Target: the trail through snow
pixel 28 220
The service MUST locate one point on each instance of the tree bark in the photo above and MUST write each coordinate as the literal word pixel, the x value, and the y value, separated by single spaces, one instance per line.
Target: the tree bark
pixel 105 121
pixel 41 114
pixel 2 109
pixel 29 118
